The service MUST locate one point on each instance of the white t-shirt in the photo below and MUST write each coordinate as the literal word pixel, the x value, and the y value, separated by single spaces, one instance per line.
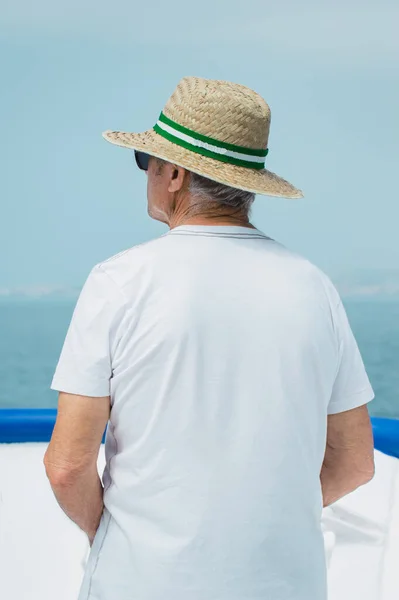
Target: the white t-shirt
pixel 223 353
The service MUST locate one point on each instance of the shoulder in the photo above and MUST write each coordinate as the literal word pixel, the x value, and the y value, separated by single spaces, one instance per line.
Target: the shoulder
pixel 137 251
pixel 307 282
pixel 312 276
pixel 118 270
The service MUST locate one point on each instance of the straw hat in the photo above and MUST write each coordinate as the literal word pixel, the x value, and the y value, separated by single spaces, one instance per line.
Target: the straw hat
pixel 217 129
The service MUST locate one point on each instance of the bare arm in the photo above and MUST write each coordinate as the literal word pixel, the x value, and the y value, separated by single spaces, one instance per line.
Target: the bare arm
pixel 71 458
pixel 349 458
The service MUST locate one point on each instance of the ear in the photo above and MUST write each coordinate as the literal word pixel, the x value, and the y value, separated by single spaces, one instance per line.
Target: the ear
pixel 177 177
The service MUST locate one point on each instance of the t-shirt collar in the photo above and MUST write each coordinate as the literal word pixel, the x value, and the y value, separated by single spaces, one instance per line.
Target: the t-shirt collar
pixel 227 229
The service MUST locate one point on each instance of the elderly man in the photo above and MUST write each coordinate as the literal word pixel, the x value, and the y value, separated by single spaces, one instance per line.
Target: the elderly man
pixel 227 370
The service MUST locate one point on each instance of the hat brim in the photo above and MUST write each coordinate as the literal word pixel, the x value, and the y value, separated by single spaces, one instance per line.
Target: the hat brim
pixel 258 181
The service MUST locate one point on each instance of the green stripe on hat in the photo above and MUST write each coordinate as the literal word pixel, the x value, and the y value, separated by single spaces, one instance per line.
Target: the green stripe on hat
pixel 196 142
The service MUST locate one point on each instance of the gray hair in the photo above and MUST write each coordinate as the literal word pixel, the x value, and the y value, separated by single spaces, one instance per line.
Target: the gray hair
pixel 224 195
pixel 214 194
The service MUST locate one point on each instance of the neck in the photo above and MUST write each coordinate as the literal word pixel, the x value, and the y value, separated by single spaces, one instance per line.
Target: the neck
pixel 194 209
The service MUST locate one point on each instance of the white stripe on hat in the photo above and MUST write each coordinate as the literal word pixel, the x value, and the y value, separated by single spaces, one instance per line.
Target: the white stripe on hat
pixel 216 149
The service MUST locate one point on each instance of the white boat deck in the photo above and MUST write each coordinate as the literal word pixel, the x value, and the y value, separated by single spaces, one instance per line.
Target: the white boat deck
pixel 43 553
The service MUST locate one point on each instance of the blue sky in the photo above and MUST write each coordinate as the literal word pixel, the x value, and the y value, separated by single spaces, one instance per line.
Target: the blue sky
pixel 70 70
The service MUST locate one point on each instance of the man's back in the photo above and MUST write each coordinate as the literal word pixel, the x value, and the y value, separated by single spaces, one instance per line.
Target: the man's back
pixel 227 354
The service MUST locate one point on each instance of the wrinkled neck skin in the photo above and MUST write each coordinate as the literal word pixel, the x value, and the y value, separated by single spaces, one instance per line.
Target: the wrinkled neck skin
pixel 186 209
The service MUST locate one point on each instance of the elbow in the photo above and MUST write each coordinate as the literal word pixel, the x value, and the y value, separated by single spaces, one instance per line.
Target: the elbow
pixel 370 474
pixel 367 472
pixel 62 478
pixel 66 474
pixel 58 477
pixel 47 466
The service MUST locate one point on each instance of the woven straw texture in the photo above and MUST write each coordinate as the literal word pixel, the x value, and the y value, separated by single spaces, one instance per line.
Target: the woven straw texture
pixel 225 111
